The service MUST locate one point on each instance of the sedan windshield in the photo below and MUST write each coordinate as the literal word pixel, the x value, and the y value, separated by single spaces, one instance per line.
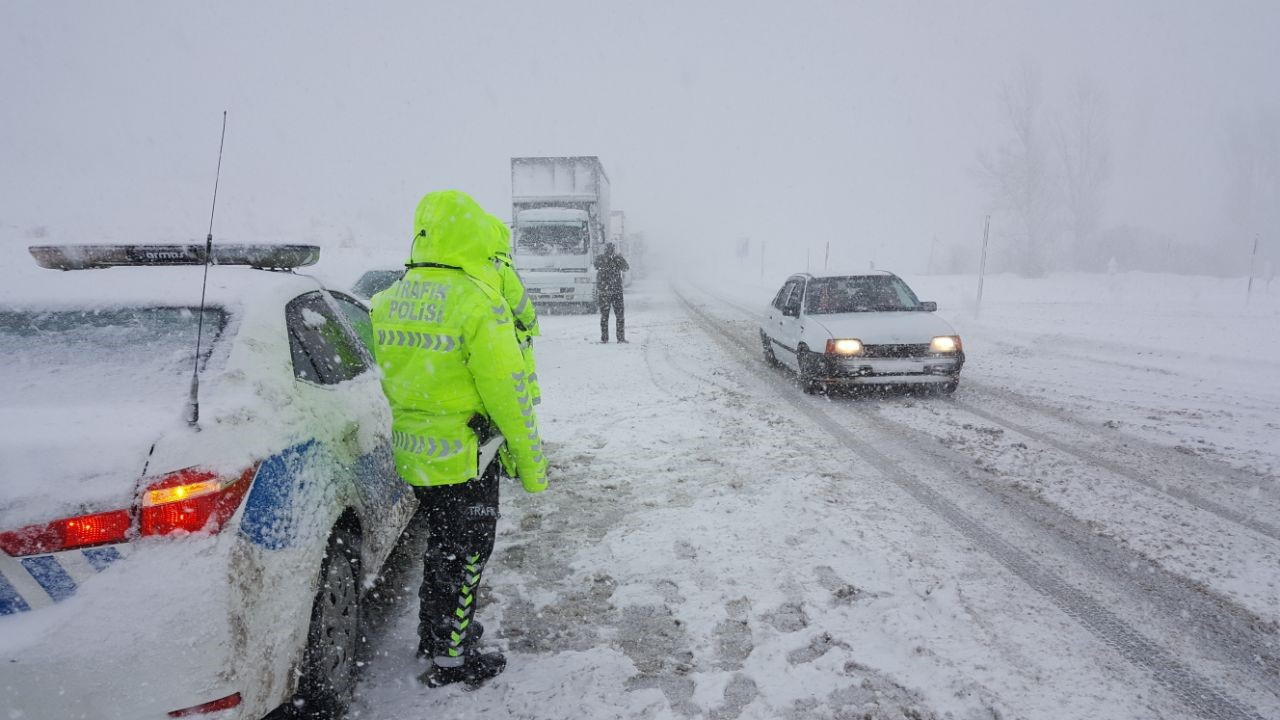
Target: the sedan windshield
pixel 125 354
pixel 866 293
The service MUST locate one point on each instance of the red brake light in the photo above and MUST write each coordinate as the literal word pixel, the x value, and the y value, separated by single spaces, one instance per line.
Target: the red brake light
pixel 67 534
pixel 192 500
pixel 229 701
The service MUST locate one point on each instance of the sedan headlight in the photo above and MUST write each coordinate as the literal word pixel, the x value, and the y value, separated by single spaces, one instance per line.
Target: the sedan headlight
pixel 946 344
pixel 844 346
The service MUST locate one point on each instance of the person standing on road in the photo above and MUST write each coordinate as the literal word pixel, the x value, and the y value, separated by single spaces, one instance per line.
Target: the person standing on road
pixel 609 269
pixel 454 376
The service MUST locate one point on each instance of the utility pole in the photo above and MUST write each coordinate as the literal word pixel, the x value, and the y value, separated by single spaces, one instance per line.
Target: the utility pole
pixel 826 256
pixel 1253 262
pixel 982 265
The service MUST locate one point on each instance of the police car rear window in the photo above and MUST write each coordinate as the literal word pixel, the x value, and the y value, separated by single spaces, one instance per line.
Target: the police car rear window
pixel 52 355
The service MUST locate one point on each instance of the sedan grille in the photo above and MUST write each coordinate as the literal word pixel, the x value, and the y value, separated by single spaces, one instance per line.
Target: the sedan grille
pixel 896 351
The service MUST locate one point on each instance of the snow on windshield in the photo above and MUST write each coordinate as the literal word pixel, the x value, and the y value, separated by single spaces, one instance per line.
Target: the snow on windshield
pixel 858 294
pixel 553 239
pixel 121 355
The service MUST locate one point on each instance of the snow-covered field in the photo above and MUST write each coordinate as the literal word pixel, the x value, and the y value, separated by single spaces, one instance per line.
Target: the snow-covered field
pixel 1089 528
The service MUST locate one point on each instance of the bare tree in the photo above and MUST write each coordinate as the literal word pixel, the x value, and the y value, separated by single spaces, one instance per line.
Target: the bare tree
pixel 1086 169
pixel 1019 175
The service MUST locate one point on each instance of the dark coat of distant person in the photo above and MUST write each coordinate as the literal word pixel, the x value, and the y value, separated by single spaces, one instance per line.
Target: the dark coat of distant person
pixel 609 269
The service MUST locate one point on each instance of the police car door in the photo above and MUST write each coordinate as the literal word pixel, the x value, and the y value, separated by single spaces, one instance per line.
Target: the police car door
pixel 334 367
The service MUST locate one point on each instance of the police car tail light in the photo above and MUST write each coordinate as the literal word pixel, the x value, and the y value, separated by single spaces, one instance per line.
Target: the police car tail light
pixel 192 500
pixel 67 534
pixel 225 703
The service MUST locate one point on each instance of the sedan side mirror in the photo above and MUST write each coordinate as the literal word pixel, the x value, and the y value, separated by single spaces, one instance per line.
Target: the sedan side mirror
pixel 791 311
pixel 929 306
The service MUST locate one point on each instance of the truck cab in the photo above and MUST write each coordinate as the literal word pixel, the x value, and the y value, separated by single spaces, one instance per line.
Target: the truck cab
pixel 560 207
pixel 555 249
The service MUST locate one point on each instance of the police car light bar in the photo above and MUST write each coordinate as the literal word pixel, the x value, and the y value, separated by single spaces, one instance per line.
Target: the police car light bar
pixel 84 257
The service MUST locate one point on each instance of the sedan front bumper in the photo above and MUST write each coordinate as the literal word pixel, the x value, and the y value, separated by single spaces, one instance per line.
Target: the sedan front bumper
pixel 919 370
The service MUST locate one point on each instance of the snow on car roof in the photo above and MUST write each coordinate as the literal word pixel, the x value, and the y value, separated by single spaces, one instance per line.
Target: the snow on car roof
pixel 551 214
pixel 148 286
pixel 846 272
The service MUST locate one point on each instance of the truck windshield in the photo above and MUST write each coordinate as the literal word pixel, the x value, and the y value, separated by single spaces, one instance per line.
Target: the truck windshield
pixel 554 239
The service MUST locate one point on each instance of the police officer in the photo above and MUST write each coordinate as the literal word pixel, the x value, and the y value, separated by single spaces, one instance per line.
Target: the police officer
pixel 454 375
pixel 609 269
pixel 512 289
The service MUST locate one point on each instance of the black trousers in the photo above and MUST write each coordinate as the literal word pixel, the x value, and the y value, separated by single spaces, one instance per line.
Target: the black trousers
pixel 614 300
pixel 462 521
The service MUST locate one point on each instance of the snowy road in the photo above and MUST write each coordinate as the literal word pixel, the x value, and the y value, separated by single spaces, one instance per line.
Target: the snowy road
pixel 717 544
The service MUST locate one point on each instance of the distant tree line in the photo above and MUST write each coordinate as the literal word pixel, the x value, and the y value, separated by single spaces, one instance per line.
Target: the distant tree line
pixel 1049 180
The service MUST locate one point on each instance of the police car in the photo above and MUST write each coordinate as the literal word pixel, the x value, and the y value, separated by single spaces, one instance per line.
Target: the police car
pixel 196 484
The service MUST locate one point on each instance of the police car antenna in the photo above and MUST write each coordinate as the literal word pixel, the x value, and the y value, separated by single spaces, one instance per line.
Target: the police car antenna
pixel 193 399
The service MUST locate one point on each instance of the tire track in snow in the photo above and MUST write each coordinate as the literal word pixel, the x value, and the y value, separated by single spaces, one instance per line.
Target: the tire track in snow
pixel 1192 464
pixel 1193 499
pixel 1199 694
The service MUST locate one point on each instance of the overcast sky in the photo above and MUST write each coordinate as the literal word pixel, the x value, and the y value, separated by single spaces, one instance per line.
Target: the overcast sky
pixel 798 123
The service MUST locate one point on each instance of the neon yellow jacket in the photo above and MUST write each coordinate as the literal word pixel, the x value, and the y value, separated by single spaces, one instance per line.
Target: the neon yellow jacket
pixel 443 336
pixel 512 289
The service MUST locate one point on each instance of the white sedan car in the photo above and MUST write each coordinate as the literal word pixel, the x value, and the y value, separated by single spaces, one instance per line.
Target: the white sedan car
pixel 183 549
pixel 860 330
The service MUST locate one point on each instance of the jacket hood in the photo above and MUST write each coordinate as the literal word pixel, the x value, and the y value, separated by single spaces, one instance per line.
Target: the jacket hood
pixel 501 238
pixel 449 228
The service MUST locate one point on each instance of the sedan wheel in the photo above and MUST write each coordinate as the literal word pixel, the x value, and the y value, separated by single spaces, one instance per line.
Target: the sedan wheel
pixel 808 365
pixel 329 665
pixel 769 358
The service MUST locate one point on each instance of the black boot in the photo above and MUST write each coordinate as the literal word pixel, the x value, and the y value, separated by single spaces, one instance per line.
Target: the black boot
pixel 475 669
pixel 469 644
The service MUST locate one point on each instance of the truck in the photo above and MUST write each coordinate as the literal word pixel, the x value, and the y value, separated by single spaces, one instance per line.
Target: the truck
pixel 559 218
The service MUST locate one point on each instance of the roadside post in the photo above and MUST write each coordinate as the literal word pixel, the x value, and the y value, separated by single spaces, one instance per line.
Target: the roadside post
pixel 1253 263
pixel 982 266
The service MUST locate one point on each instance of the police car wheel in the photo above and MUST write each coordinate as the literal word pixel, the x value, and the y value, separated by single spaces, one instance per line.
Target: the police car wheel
pixel 329 663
